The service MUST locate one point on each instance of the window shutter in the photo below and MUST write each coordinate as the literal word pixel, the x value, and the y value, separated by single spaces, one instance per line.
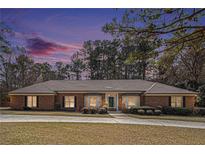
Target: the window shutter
pixel 63 101
pixel 75 101
pixel 25 100
pixel 169 100
pixel 184 102
pixel 37 101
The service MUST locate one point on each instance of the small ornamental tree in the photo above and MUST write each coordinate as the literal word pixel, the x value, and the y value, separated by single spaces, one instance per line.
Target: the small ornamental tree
pixel 201 101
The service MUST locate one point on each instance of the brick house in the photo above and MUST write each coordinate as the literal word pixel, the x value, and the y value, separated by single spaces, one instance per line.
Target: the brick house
pixel 115 94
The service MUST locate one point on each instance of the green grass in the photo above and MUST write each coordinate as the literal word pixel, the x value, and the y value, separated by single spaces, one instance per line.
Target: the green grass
pixel 169 117
pixel 72 133
pixel 53 113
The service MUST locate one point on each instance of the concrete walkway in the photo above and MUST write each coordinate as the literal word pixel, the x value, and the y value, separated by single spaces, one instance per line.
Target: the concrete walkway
pixel 118 119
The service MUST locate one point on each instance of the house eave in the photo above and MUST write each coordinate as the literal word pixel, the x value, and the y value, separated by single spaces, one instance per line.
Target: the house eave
pixel 100 91
pixel 27 94
pixel 171 94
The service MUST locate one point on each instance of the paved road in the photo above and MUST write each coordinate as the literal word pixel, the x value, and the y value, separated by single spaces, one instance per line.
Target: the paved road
pixel 118 119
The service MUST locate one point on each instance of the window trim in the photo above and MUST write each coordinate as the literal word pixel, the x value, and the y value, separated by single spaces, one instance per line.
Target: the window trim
pixel 126 97
pixel 175 102
pixel 99 100
pixel 32 101
pixel 64 102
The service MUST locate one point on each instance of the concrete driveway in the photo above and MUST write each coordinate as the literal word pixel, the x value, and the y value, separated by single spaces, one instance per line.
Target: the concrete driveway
pixel 118 119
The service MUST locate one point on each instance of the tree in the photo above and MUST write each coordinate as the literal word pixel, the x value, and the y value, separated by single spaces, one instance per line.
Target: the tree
pixel 25 71
pixel 201 101
pixel 60 71
pixel 47 72
pixel 118 59
pixel 77 66
pixel 183 66
pixel 143 53
pixel 174 26
pixel 6 68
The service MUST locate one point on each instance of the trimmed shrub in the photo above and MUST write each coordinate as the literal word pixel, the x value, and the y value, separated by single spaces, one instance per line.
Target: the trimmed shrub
pixel 176 111
pixel 102 110
pixel 159 107
pixel 167 110
pixel 157 112
pixel 149 112
pixel 26 108
pixel 182 111
pixel 105 106
pixel 134 110
pixel 141 112
pixel 93 110
pixel 85 110
pixel 199 111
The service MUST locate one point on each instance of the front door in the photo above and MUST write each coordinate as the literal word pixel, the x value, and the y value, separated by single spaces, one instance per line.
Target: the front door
pixel 111 101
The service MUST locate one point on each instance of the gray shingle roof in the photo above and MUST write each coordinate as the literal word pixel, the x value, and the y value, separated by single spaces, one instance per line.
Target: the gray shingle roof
pixel 52 86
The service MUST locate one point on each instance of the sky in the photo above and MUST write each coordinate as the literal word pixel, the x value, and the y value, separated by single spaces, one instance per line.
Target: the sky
pixel 51 35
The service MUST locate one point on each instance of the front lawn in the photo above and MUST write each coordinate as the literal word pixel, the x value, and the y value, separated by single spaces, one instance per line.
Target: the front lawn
pixel 53 113
pixel 72 133
pixel 169 117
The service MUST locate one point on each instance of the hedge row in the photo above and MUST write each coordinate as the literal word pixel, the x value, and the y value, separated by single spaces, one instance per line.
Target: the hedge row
pixel 177 111
pixel 146 110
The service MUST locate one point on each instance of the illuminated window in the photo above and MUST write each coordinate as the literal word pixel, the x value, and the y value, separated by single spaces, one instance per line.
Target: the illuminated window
pixel 93 101
pixel 69 102
pixel 31 101
pixel 130 101
pixel 176 101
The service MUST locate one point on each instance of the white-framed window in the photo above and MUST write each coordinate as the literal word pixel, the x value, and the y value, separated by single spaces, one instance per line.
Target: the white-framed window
pixel 130 101
pixel 31 101
pixel 176 101
pixel 93 101
pixel 69 101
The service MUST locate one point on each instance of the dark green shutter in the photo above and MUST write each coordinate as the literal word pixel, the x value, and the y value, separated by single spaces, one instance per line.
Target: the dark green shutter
pixel 63 101
pixel 75 101
pixel 184 101
pixel 37 101
pixel 25 100
pixel 169 100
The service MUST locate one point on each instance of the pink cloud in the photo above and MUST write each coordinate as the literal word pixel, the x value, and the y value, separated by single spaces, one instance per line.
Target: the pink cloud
pixel 39 46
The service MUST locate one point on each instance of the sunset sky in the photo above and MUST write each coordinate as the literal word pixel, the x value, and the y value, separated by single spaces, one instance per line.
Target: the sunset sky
pixel 51 35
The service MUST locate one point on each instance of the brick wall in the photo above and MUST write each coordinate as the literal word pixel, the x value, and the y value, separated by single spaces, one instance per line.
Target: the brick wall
pixel 79 99
pixel 190 101
pixel 155 101
pixel 17 102
pixel 50 102
pixel 164 101
pixel 45 102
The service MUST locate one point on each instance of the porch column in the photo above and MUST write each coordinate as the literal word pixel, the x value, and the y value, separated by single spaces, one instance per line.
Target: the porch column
pixel 88 99
pixel 117 102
